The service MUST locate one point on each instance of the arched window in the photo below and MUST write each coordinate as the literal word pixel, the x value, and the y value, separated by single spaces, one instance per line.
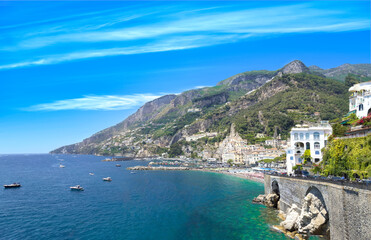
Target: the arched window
pixel 317 152
pixel 291 158
pixel 317 145
pixel 307 145
pixel 296 136
pixel 301 136
pixel 307 136
pixel 316 135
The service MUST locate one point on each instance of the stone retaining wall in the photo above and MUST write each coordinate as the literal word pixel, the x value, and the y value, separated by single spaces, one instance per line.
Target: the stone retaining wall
pixel 349 207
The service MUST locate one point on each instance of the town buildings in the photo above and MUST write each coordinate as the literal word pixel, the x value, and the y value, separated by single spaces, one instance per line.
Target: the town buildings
pixel 234 148
pixel 360 100
pixel 304 137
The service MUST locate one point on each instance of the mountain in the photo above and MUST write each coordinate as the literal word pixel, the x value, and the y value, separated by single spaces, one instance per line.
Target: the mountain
pixel 197 121
pixel 363 71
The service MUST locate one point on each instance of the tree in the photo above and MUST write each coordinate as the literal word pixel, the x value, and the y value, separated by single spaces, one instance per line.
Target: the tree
pixel 338 130
pixel 306 156
pixel 175 150
pixel 230 162
pixel 350 80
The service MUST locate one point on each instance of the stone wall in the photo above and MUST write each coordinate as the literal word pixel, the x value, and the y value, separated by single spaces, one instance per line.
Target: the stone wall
pixel 348 205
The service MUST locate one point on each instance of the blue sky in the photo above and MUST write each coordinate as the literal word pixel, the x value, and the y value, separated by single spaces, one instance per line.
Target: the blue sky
pixel 70 69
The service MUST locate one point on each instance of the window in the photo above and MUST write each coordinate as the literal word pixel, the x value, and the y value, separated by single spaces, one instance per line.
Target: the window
pixel 296 136
pixel 307 145
pixel 307 136
pixel 317 152
pixel 288 151
pixel 301 136
pixel 291 158
pixel 317 145
pixel 316 135
pixel 360 107
pixel 316 159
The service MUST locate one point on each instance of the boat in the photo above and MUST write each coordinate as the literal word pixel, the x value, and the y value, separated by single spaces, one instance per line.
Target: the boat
pixel 61 166
pixel 77 188
pixel 118 165
pixel 13 185
pixel 108 179
pixel 91 174
pixel 132 172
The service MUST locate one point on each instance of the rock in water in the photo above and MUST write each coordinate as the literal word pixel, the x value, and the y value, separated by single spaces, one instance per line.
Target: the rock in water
pixel 291 222
pixel 313 217
pixel 259 199
pixel 271 200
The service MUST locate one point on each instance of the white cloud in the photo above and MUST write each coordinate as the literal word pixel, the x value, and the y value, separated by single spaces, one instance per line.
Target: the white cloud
pixel 170 44
pixel 168 29
pixel 105 102
pixel 281 19
pixel 199 87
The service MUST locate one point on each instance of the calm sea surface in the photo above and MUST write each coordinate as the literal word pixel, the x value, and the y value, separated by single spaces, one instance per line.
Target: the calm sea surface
pixel 147 205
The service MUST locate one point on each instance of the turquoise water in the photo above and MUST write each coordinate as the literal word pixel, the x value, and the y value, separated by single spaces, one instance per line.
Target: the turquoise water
pixel 147 205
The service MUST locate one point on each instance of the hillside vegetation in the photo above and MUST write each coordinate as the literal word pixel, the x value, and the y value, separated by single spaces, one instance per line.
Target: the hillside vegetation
pixel 348 157
pixel 268 102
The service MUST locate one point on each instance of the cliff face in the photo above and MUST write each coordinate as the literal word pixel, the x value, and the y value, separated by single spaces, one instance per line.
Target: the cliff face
pixel 256 101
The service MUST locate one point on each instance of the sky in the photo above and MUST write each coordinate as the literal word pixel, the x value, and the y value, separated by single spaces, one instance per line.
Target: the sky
pixel 70 69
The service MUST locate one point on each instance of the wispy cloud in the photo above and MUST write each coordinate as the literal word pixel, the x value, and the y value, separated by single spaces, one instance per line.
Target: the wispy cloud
pixel 106 102
pixel 161 46
pixel 92 35
pixel 199 87
pixel 286 19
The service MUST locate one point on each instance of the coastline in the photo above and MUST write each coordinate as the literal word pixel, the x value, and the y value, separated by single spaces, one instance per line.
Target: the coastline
pixel 256 177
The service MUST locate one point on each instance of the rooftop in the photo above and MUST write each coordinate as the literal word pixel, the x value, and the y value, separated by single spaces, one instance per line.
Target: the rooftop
pixel 312 126
pixel 366 86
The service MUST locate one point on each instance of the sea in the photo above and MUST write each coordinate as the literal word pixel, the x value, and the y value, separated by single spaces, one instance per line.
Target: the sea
pixel 159 205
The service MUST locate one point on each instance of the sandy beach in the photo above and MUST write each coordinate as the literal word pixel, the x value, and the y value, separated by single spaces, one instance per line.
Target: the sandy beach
pixel 257 177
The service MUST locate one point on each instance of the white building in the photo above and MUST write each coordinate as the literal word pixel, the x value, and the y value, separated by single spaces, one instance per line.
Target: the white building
pixel 303 137
pixel 360 100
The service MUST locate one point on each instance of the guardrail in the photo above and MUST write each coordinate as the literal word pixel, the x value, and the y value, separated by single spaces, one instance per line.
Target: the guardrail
pixel 345 183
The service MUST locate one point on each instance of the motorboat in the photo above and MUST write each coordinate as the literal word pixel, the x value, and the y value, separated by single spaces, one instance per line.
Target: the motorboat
pixel 132 172
pixel 91 174
pixel 77 188
pixel 61 166
pixel 13 185
pixel 118 165
pixel 108 179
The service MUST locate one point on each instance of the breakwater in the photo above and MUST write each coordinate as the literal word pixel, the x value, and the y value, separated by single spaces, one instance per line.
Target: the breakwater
pixel 346 207
pixel 156 168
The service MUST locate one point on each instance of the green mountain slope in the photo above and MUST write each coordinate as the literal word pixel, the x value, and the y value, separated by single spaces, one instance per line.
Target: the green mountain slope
pixel 269 102
pixel 362 71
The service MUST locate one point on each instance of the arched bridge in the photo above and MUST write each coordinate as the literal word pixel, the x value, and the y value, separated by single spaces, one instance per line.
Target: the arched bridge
pixel 348 206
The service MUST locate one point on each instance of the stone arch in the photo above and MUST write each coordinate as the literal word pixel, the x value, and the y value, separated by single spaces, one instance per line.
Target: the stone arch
pixel 275 187
pixel 316 192
pixel 314 217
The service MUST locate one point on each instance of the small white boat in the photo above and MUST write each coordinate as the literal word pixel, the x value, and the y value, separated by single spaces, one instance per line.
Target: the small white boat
pixel 118 165
pixel 61 166
pixel 133 172
pixel 91 174
pixel 77 188
pixel 13 185
pixel 108 179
